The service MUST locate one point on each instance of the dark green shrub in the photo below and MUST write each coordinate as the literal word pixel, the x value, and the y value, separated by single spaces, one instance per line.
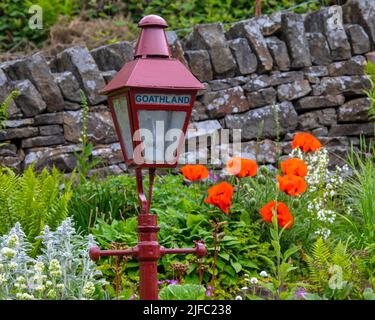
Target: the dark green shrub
pixel 14 20
pixel 111 199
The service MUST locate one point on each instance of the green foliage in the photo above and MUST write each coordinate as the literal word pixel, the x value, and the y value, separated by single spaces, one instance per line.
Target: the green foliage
pixel 33 199
pixel 4 108
pixel 370 71
pixel 369 294
pixel 359 192
pixel 106 200
pixel 85 162
pixel 180 14
pixel 331 270
pixel 182 292
pixel 52 9
pixel 14 20
pixel 183 218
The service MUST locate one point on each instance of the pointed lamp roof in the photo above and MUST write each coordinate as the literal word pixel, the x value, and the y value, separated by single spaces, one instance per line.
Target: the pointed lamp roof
pixel 153 66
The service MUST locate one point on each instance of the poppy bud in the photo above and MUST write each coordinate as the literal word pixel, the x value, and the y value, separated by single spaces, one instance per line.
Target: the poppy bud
pixel 252 202
pixel 249 189
pixel 295 204
pixel 264 170
pixel 261 179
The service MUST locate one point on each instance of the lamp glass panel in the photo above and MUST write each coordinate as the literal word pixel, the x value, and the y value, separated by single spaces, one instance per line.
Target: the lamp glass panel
pixel 160 131
pixel 120 107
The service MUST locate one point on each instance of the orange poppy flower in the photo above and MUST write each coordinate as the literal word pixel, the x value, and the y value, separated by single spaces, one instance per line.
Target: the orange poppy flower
pixel 284 217
pixel 291 184
pixel 306 141
pixel 194 172
pixel 242 167
pixel 294 166
pixel 220 196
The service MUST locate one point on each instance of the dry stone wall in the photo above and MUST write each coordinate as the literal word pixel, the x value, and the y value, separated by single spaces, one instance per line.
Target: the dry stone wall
pixel 310 66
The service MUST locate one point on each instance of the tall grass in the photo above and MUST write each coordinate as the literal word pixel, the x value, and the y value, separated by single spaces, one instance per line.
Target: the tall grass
pixel 360 188
pixel 360 192
pixel 107 200
pixel 370 71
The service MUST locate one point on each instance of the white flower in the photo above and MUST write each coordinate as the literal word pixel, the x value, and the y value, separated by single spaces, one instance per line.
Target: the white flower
pixel 40 288
pixel 263 274
pixel 60 286
pixel 39 267
pixel 324 232
pixel 8 252
pixel 88 289
pixel 13 241
pixel 55 268
pixel 245 288
pixel 238 298
pixel 13 265
pixel 24 296
pixel 254 280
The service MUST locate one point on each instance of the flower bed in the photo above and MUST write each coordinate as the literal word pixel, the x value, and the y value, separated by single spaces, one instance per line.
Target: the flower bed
pixel 297 232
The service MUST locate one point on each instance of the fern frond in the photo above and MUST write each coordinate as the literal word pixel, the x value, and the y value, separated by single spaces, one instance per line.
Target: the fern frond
pixel 321 252
pixel 341 258
pixel 34 200
pixel 4 108
pixel 319 262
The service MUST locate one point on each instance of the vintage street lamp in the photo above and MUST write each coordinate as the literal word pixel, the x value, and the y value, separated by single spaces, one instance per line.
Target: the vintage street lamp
pixel 151 99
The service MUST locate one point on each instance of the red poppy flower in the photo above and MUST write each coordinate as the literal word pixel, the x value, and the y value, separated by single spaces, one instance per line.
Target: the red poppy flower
pixel 294 166
pixel 306 142
pixel 284 217
pixel 194 172
pixel 220 196
pixel 291 184
pixel 242 167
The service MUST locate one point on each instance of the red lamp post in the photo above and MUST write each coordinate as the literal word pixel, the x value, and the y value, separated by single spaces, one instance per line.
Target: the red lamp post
pixel 151 99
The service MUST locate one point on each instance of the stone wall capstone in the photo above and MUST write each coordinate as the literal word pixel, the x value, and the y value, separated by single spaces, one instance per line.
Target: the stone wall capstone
pixel 310 66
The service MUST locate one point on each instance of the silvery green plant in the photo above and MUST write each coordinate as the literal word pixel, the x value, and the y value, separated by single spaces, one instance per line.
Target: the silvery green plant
pixel 62 271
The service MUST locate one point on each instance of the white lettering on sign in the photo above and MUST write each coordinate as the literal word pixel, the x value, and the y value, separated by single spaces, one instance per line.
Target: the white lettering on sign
pixel 153 98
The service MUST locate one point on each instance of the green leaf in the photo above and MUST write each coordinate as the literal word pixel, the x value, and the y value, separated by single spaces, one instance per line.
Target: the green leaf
pixel 268 260
pixel 313 296
pixel 249 264
pixel 276 245
pixel 225 256
pixel 182 292
pixel 193 220
pixel 290 252
pixel 368 294
pixel 229 269
pixel 245 217
pixel 274 234
pixel 236 266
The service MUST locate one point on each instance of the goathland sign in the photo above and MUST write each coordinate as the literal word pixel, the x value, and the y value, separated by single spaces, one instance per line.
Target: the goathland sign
pixel 172 99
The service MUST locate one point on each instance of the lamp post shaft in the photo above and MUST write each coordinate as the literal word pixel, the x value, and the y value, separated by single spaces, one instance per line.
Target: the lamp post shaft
pixel 148 255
